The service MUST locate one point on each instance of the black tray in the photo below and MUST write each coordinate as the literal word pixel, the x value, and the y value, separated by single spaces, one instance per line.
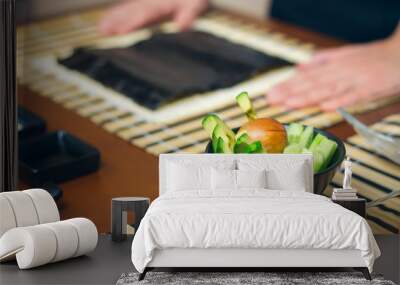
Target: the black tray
pixel 29 124
pixel 56 157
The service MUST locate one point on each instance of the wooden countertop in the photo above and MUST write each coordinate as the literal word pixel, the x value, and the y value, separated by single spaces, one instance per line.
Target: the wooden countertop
pixel 127 170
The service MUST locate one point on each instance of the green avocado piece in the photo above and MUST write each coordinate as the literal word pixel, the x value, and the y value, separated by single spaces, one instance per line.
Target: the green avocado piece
pixel 215 128
pixel 256 147
pixel 209 122
pixel 219 134
pixel 244 102
pixel 243 138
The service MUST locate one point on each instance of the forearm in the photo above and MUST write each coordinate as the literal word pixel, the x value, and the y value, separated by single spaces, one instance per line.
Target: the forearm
pixel 395 37
pixel 254 8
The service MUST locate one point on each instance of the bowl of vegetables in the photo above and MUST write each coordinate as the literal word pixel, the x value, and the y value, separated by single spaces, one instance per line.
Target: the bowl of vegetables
pixel 266 135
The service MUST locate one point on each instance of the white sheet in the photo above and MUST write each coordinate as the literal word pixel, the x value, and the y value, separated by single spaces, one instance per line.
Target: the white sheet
pixel 252 218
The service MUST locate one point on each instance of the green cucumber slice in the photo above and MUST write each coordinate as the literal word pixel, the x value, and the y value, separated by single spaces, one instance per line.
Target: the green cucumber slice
pixel 316 141
pixel 294 132
pixel 293 149
pixel 306 137
pixel 327 147
pixel 244 102
pixel 318 159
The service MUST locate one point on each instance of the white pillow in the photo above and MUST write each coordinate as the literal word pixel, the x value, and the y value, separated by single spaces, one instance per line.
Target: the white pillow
pixel 183 177
pixel 223 179
pixel 251 178
pixel 283 173
pixel 236 179
pixel 187 174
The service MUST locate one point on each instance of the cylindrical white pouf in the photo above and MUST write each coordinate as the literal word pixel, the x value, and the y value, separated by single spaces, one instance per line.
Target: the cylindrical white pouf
pixel 7 218
pixel 34 245
pixel 45 206
pixel 87 235
pixel 23 208
pixel 67 239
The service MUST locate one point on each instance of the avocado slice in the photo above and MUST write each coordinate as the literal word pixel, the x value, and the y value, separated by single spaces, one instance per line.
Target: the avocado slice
pixel 244 102
pixel 256 147
pixel 243 138
pixel 209 122
pixel 220 133
pixel 215 128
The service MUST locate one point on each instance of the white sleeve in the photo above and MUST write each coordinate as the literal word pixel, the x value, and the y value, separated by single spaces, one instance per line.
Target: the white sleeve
pixel 254 8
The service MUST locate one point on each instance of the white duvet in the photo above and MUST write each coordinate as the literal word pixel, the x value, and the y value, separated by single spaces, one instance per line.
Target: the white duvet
pixel 250 219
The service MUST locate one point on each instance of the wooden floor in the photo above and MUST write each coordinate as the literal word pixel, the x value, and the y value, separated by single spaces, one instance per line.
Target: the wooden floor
pixel 127 170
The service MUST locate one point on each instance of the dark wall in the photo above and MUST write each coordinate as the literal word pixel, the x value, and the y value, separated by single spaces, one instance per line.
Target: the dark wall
pixel 8 104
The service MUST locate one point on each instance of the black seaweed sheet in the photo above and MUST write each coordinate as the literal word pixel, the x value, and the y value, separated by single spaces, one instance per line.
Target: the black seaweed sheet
pixel 165 67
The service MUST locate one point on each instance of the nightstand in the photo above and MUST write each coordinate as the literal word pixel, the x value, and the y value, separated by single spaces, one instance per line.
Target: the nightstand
pixel 357 206
pixel 119 208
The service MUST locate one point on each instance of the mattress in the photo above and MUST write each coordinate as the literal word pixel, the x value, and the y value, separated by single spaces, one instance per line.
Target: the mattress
pixel 252 218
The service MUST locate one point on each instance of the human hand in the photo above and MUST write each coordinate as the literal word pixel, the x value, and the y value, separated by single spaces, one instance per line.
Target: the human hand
pixel 343 76
pixel 134 14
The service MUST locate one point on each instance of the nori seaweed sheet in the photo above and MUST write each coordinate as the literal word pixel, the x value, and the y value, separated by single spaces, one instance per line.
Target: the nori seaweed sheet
pixel 169 66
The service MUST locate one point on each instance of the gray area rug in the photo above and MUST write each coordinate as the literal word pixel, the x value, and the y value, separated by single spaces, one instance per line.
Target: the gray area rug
pixel 233 278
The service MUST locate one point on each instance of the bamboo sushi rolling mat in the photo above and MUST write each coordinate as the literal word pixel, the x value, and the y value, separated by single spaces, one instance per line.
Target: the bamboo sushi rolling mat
pixel 185 135
pixel 374 175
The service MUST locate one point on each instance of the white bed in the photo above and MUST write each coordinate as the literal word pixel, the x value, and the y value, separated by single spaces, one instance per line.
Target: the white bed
pixel 202 225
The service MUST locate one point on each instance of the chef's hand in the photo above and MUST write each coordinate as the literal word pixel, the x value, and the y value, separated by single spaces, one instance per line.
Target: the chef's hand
pixel 343 76
pixel 134 14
